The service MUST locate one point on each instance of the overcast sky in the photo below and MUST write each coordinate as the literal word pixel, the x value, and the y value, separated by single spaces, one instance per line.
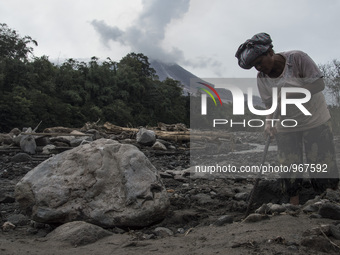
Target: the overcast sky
pixel 200 35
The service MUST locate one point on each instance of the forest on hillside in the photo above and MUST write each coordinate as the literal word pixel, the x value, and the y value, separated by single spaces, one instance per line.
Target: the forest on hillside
pixel 125 93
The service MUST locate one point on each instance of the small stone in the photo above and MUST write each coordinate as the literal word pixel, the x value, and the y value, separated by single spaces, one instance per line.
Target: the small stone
pixel 275 208
pixel 78 233
pixel 163 232
pixel 148 237
pixel 6 139
pixel 42 141
pixel 127 141
pixel 80 141
pixel 6 198
pixel 118 230
pixel 165 175
pixel 225 219
pixel 37 225
pixel 241 196
pixel 315 216
pixel 333 195
pixel 32 231
pixel 318 243
pixel 330 211
pixel 202 198
pixel 264 209
pixel 335 231
pixel 7 226
pixel 254 217
pixel 318 231
pixel 180 178
pixel 18 219
pixel 27 144
pixel 159 146
pixel 181 231
pixel 292 248
pixel 146 137
pixel 49 149
pixel 21 157
pixel 310 208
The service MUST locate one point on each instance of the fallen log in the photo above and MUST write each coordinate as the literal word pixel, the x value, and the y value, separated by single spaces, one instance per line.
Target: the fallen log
pixel 177 136
pixel 165 134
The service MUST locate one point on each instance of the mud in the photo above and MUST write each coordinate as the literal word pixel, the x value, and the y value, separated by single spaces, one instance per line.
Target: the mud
pixel 206 215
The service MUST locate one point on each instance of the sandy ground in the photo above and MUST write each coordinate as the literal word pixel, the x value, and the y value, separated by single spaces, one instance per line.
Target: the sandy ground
pixel 191 218
pixel 278 235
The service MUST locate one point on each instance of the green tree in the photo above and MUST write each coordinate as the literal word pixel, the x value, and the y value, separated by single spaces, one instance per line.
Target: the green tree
pixel 13 46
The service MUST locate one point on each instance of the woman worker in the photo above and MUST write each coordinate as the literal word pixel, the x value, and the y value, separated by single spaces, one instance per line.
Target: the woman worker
pixel 312 133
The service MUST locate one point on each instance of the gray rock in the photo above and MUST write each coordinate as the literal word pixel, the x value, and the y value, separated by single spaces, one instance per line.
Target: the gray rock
pixel 241 196
pixel 6 198
pixel 333 195
pixel 146 137
pixel 310 208
pixel 181 231
pixel 315 216
pixel 225 219
pixel 254 217
pixel 317 243
pixel 8 226
pixel 95 134
pixel 6 139
pixel 335 231
pixel 158 146
pixel 49 149
pixel 104 182
pixel 163 232
pixel 17 139
pixel 79 141
pixel 180 178
pixel 62 139
pixel 14 132
pixel 202 198
pixel 171 147
pixel 78 233
pixel 27 144
pixel 165 175
pixel 42 141
pixel 293 248
pixel 18 219
pixel 292 208
pixel 325 228
pixel 21 157
pixel 330 211
pixel 276 208
pixel 264 209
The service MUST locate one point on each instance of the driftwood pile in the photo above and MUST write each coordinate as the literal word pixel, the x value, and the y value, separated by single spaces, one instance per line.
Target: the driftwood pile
pixel 175 133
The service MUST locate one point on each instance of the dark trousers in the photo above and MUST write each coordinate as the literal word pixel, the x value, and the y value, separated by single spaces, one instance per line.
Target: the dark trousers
pixel 320 159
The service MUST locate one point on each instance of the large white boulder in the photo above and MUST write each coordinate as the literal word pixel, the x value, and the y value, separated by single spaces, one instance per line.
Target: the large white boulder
pixel 104 182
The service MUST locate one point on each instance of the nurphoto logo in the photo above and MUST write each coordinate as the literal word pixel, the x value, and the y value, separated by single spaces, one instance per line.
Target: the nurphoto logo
pixel 238 100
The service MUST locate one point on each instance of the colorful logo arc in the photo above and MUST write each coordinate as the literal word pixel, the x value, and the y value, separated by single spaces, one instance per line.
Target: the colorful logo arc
pixel 207 91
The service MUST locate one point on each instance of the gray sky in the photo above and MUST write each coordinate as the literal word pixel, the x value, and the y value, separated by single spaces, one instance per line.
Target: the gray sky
pixel 200 35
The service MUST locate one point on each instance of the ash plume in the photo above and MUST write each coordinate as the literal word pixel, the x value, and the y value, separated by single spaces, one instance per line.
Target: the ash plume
pixel 147 33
